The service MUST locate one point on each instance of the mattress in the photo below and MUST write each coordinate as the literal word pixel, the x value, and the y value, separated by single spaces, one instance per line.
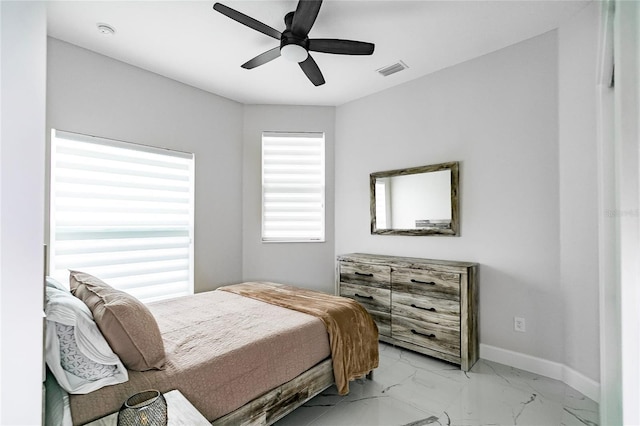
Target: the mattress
pixel 223 350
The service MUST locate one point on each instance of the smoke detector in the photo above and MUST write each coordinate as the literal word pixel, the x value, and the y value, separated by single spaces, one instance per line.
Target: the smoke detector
pixel 106 29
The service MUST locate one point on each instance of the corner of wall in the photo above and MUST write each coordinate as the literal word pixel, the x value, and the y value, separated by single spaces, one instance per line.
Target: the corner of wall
pixel 543 367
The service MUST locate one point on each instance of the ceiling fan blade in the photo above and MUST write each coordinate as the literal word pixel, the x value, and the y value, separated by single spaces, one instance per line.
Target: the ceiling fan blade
pixel 341 47
pixel 247 20
pixel 262 58
pixel 312 71
pixel 304 16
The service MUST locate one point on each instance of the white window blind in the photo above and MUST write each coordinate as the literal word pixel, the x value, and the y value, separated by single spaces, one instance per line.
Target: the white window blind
pixel 293 187
pixel 123 213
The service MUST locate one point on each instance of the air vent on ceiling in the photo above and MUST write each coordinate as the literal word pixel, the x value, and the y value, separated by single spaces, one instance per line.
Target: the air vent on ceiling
pixel 392 69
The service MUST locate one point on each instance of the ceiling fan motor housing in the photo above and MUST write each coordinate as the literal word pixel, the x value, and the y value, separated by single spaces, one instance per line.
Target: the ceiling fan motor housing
pixel 294 48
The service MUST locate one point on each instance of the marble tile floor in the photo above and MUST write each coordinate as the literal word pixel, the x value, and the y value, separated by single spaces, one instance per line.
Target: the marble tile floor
pixel 409 389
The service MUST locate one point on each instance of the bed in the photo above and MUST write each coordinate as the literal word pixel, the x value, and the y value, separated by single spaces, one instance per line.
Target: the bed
pixel 243 354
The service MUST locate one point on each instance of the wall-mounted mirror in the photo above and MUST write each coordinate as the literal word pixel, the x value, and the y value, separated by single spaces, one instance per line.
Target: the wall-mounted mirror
pixel 415 201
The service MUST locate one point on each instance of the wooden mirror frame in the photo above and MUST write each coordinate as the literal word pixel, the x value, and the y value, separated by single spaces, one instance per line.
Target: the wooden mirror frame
pixel 451 231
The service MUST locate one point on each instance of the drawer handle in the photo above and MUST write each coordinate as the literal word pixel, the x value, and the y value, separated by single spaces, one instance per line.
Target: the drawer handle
pixel 424 309
pixel 364 297
pixel 364 275
pixel 428 336
pixel 422 282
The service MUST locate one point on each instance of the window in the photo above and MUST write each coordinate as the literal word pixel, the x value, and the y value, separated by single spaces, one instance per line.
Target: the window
pixel 122 212
pixel 293 187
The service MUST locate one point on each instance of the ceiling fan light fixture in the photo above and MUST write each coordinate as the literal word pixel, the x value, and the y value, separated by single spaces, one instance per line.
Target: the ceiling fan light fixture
pixel 294 53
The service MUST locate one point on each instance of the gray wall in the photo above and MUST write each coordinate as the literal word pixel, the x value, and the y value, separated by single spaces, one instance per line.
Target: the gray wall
pixel 93 94
pixel 22 141
pixel 522 123
pixel 577 42
pixel 309 265
pixel 498 116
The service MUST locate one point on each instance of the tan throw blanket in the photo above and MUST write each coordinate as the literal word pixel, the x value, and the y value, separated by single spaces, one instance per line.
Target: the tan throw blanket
pixel 353 335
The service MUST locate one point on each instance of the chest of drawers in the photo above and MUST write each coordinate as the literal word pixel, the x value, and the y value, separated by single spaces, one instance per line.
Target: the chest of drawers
pixel 425 305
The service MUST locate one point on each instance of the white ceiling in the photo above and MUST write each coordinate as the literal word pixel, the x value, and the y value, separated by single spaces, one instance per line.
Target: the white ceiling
pixel 190 42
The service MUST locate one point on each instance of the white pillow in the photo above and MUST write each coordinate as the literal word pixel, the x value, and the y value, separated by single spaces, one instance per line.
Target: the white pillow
pixel 52 282
pixel 97 359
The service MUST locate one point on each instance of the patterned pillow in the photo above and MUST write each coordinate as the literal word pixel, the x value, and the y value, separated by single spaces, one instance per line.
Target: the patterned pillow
pixel 74 361
pixel 74 346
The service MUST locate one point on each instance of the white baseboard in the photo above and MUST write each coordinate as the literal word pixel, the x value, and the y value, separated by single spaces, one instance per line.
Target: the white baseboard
pixel 553 370
pixel 588 387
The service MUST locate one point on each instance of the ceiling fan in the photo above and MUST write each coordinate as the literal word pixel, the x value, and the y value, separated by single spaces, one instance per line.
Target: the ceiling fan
pixel 295 44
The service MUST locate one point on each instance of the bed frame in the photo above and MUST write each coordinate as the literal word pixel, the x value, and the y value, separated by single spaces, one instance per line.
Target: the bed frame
pixel 278 402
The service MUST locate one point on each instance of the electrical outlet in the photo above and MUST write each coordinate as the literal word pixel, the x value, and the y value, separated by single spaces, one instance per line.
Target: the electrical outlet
pixel 519 325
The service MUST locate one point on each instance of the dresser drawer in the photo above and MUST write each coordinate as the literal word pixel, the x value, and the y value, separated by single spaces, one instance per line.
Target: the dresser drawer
pixel 375 300
pixel 365 274
pixel 444 312
pixel 372 298
pixel 425 282
pixel 433 336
